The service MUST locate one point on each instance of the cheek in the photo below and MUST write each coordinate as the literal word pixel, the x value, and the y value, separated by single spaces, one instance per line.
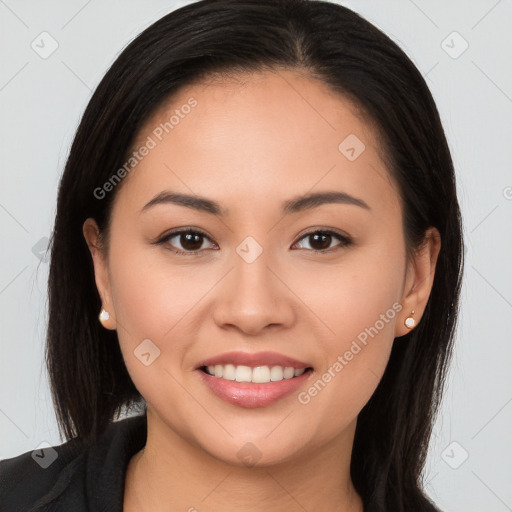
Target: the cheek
pixel 151 289
pixel 352 295
pixel 158 300
pixel 359 302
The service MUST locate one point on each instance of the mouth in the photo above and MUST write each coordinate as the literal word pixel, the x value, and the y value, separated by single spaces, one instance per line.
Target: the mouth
pixel 253 380
pixel 256 375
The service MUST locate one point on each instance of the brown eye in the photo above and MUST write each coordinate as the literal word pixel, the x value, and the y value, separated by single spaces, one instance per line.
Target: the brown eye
pixel 185 241
pixel 322 241
pixel 191 241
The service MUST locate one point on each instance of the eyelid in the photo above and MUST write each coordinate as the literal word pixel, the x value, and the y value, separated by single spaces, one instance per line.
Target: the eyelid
pixel 321 229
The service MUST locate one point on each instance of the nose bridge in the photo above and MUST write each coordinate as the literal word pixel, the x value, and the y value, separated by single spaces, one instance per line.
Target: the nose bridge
pixel 252 278
pixel 253 297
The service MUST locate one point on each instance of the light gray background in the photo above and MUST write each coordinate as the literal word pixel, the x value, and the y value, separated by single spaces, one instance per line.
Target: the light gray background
pixel 41 101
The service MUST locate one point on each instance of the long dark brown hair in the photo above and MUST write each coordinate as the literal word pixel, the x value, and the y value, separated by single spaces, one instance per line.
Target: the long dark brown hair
pixel 89 380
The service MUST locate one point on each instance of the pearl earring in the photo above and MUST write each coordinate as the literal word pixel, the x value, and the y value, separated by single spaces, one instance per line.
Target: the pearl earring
pixel 409 321
pixel 104 315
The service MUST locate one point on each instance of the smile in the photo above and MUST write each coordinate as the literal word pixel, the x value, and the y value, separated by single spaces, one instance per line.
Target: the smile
pixel 253 380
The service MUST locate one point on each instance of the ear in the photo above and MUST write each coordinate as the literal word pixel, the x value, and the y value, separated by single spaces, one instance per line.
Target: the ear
pixel 92 237
pixel 419 280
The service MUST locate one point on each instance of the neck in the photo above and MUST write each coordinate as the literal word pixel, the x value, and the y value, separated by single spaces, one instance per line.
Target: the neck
pixel 172 473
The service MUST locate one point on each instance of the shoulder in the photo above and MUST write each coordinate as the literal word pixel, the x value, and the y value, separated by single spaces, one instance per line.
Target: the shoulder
pixel 72 475
pixel 38 475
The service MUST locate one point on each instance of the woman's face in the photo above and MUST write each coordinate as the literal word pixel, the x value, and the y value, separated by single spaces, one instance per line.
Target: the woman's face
pixel 274 166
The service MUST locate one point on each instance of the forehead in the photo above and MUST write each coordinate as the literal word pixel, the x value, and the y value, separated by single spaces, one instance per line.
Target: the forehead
pixel 264 134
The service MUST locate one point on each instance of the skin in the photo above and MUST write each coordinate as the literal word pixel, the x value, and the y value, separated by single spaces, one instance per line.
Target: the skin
pixel 250 144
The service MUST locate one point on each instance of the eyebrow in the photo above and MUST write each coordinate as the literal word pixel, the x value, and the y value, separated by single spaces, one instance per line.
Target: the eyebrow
pixel 297 204
pixel 316 199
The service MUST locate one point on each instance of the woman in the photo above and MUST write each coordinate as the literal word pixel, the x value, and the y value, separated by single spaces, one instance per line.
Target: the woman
pixel 260 205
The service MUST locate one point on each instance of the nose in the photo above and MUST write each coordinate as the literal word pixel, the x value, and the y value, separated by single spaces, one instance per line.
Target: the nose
pixel 254 297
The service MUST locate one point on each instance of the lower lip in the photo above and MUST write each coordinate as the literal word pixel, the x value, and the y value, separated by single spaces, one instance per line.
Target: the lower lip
pixel 247 394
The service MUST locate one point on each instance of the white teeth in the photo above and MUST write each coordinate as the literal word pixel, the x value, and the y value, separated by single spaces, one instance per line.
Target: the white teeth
pixel 228 372
pixel 243 374
pixel 288 372
pixel 276 373
pixel 257 375
pixel 261 374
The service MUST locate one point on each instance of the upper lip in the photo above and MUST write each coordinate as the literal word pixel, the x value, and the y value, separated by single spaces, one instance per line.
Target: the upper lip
pixel 254 359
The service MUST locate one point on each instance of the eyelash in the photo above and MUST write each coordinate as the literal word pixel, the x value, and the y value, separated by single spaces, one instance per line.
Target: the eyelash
pixel 344 239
